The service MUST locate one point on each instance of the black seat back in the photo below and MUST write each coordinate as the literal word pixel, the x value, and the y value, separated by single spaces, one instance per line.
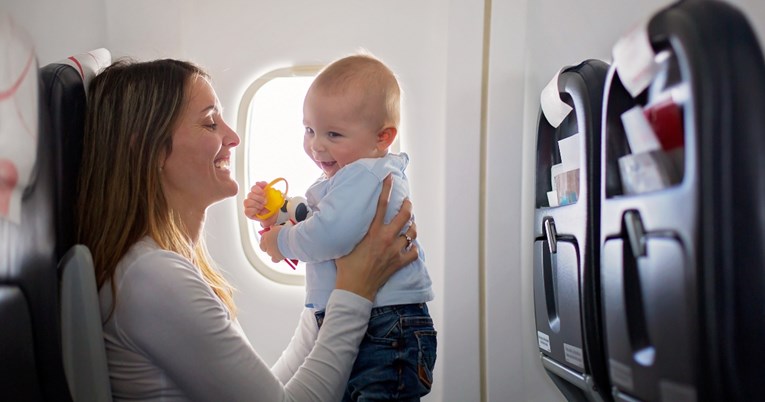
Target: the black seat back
pixel 63 98
pixel 30 342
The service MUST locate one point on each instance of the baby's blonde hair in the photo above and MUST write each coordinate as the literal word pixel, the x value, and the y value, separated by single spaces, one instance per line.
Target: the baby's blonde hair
pixel 364 71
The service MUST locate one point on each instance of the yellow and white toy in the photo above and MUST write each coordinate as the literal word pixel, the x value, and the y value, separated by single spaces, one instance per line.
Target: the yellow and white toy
pixel 290 210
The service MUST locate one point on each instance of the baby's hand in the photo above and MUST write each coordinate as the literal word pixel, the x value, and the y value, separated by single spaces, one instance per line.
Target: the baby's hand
pixel 270 244
pixel 255 202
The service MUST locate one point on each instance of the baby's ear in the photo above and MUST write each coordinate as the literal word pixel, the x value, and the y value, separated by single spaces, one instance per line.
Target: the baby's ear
pixel 385 137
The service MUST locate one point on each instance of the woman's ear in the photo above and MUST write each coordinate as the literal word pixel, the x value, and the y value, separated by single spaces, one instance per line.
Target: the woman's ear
pixel 162 156
pixel 385 137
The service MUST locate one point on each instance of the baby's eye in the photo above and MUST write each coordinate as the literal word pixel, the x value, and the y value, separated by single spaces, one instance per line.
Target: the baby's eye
pixel 333 134
pixel 308 131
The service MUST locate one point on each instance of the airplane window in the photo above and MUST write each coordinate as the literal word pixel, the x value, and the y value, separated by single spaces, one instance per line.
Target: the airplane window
pixel 271 128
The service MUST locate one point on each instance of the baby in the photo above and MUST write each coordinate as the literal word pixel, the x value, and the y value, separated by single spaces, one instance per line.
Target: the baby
pixel 351 115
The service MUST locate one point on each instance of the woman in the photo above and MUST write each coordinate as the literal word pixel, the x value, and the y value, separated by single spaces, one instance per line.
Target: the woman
pixel 156 156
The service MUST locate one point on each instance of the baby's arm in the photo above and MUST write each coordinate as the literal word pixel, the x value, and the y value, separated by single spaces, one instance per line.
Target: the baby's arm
pixel 254 205
pixel 339 221
pixel 269 243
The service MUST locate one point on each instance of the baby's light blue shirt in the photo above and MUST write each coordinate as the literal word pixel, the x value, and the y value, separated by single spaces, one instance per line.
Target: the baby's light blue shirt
pixel 343 207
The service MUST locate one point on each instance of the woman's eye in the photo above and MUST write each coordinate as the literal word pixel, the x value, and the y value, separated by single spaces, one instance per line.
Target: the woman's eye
pixel 211 126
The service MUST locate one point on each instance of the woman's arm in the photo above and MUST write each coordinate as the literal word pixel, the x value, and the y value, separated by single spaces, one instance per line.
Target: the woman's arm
pixel 381 252
pixel 170 325
pixel 300 345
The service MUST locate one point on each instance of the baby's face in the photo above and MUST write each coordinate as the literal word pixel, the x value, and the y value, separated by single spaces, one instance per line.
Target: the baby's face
pixel 338 130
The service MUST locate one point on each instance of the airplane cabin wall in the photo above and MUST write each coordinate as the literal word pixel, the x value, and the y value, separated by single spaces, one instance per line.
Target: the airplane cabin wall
pixel 59 28
pixel 507 376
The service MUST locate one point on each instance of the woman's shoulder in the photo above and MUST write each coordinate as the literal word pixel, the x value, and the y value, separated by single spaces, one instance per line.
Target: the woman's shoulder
pixel 148 249
pixel 155 288
pixel 148 261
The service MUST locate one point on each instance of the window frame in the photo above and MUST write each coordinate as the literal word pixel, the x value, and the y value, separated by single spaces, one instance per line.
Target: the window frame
pixel 243 166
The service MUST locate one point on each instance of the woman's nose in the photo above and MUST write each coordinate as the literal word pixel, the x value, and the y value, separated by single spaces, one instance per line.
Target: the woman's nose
pixel 230 137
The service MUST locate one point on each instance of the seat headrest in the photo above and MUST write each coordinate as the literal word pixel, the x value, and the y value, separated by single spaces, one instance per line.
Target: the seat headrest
pixel 89 64
pixel 18 116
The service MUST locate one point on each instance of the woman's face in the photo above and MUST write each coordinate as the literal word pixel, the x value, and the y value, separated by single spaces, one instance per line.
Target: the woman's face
pixel 196 172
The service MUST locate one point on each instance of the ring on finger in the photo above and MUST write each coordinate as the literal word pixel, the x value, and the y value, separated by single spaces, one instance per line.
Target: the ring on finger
pixel 408 240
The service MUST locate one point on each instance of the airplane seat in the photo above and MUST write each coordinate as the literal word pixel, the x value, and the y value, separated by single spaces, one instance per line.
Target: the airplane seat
pixel 30 343
pixel 85 362
pixel 64 100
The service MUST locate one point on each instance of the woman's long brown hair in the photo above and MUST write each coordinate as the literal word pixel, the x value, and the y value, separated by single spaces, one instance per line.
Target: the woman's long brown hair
pixel 132 111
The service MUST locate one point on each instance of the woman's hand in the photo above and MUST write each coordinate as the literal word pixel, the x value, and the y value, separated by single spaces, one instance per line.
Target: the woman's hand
pixel 381 252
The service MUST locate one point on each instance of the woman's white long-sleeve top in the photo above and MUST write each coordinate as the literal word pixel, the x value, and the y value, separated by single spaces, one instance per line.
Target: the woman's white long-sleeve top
pixel 169 338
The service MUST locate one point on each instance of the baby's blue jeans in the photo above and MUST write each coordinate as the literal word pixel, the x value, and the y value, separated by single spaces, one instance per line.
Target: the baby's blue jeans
pixel 396 357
